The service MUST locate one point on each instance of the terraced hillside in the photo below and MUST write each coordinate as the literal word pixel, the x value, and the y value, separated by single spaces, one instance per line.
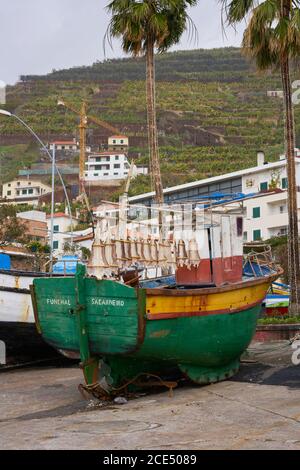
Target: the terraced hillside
pixel 213 112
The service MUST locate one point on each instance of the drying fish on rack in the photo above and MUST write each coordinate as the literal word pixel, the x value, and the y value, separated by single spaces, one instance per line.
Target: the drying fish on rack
pixel 171 253
pixel 120 254
pixel 114 253
pixel 162 258
pixel 147 253
pixel 98 265
pixel 109 252
pixel 127 251
pixel 140 249
pixel 182 257
pixel 153 253
pixel 134 252
pixel 193 254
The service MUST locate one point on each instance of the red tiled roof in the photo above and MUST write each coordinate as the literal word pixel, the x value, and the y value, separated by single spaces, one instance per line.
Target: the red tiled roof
pixel 59 214
pixel 81 238
pixel 118 137
pixel 63 142
pixel 108 153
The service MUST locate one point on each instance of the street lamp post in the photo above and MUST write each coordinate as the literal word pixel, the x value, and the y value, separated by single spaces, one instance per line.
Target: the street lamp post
pixel 3 112
pixel 52 207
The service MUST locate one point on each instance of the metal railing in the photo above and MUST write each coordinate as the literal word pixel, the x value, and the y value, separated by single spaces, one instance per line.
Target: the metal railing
pixel 259 259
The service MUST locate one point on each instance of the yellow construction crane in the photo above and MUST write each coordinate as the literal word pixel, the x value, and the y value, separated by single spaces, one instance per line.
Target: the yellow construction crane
pixel 84 118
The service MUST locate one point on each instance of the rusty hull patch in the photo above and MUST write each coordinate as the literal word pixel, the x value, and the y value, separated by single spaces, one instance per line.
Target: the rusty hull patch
pixel 160 334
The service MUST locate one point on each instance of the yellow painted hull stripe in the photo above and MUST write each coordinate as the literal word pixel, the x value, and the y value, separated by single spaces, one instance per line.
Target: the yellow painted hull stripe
pixel 220 301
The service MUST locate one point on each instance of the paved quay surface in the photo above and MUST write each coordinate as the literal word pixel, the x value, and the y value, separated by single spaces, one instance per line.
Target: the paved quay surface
pixel 41 408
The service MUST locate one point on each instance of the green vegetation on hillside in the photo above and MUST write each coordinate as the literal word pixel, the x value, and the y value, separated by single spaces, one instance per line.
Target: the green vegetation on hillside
pixel 14 158
pixel 213 112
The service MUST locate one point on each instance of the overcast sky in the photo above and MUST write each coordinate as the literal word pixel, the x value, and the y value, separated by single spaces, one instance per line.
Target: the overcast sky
pixel 40 35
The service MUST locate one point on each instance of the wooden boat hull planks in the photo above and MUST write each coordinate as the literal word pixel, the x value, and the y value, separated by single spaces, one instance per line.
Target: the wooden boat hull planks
pixel 203 332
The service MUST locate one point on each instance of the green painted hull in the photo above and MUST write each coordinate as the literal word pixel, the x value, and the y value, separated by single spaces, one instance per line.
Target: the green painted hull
pixel 107 320
pixel 206 349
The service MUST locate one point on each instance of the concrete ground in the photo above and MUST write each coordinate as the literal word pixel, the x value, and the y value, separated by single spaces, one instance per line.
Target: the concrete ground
pixel 41 408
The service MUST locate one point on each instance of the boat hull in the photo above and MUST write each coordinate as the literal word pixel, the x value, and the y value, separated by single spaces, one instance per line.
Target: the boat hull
pixel 203 332
pixel 207 349
pixel 23 344
pixel 17 323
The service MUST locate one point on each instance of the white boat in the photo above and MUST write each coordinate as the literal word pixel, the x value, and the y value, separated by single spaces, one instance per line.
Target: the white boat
pixel 17 323
pixel 15 300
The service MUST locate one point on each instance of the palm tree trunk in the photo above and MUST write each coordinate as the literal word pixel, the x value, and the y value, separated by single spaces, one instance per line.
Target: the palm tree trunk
pixel 152 126
pixel 293 243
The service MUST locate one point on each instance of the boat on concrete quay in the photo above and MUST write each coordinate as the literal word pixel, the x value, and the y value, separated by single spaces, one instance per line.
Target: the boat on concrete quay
pixel 199 320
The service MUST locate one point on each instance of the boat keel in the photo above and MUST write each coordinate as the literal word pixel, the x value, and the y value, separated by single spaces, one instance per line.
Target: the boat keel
pixel 209 375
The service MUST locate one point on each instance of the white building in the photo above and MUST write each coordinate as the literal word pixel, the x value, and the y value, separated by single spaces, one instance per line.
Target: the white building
pixel 70 145
pixel 24 191
pixel 109 166
pixel 275 93
pixel 84 238
pixel 118 143
pixel 38 216
pixel 267 215
pixel 62 224
pixel 266 188
pixel 67 146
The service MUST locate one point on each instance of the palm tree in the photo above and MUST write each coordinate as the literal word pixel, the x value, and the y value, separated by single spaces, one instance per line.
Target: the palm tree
pixel 272 38
pixel 146 26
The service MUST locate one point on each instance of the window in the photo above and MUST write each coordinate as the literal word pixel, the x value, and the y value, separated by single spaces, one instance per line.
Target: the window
pixel 122 141
pixel 18 193
pixel 114 141
pixel 281 209
pixel 29 183
pixel 55 245
pixel 117 165
pixel 264 186
pixel 239 226
pixel 18 183
pixel 96 174
pixel 55 228
pixel 9 185
pixel 116 157
pixel 106 174
pixel 98 159
pixel 256 235
pixel 256 212
pixel 245 236
pixel 30 191
pixel 9 193
pixel 284 183
pixel 24 191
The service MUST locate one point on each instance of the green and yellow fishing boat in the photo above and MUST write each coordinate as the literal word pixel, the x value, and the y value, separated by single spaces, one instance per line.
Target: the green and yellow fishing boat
pixel 121 332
